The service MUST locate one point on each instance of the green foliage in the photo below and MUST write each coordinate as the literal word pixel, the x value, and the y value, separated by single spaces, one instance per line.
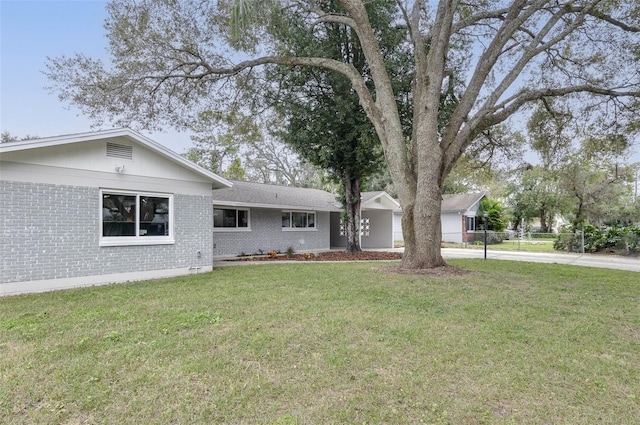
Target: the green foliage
pixel 618 239
pixel 169 60
pixel 324 121
pixel 235 170
pixel 496 220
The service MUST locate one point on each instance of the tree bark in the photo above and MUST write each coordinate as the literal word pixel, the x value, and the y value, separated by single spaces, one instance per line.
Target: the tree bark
pixel 352 208
pixel 421 226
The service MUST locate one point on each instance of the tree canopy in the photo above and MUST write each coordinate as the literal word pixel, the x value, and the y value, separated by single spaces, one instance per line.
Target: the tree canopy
pixel 171 60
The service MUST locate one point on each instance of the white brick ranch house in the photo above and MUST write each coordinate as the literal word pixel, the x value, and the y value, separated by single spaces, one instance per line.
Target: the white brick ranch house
pixel 101 207
pixel 114 206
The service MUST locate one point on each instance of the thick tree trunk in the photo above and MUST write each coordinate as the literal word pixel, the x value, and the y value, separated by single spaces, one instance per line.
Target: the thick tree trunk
pixel 352 209
pixel 422 231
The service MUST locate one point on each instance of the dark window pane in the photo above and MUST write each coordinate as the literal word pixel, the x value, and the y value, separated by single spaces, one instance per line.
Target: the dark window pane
pixel 118 215
pixel 223 217
pixel 243 218
pixel 154 216
pixel 299 219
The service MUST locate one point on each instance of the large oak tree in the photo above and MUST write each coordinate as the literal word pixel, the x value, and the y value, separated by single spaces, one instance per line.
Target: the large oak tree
pixel 170 59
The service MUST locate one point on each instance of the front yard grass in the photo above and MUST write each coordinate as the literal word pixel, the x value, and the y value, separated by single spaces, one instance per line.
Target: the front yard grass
pixel 322 343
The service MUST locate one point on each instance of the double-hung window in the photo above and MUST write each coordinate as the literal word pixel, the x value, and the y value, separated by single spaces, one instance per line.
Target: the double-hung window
pixel 230 218
pixel 298 220
pixel 130 218
pixel 470 224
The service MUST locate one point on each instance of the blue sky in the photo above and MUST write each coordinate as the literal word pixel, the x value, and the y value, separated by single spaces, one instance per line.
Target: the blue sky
pixel 29 32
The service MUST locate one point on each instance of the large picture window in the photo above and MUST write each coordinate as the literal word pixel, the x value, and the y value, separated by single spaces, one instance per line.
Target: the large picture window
pixel 227 218
pixel 135 218
pixel 298 220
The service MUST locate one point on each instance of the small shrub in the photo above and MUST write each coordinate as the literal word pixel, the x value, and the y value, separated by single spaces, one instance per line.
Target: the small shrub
pixel 290 252
pixel 272 254
pixel 493 238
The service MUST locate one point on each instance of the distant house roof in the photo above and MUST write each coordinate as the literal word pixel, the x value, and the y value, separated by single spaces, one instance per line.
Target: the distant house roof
pixel 461 202
pixel 115 134
pixel 260 195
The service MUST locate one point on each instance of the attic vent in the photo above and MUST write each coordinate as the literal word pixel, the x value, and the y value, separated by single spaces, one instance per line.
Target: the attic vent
pixel 115 150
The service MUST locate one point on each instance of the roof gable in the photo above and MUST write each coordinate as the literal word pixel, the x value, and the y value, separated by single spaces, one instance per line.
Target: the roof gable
pixel 79 150
pixel 379 200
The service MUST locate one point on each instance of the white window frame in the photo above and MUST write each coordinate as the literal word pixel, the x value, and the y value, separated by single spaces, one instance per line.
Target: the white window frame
pixel 137 239
pixel 233 229
pixel 301 229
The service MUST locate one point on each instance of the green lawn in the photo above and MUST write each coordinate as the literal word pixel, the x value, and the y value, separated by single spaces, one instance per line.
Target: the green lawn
pixel 533 245
pixel 323 343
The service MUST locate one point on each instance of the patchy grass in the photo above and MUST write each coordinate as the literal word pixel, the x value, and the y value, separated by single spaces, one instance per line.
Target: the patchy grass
pixel 507 343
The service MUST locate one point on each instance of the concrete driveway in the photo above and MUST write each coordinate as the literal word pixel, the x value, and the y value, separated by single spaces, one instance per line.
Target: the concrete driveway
pixel 588 260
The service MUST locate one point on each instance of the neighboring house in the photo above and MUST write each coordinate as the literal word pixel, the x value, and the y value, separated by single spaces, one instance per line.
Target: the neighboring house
pixel 101 207
pixel 458 216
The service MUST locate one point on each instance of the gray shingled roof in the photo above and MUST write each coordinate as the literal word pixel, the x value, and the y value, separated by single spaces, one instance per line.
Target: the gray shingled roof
pixel 247 194
pixel 460 202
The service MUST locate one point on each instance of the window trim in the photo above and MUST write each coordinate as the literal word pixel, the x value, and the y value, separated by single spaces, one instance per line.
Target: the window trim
pixel 137 239
pixel 301 229
pixel 232 229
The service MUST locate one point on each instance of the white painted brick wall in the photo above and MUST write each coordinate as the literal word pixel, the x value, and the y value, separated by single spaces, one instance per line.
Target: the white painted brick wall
pixel 266 234
pixel 52 231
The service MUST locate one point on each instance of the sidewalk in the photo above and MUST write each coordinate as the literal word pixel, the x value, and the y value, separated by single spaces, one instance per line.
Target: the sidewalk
pixel 587 260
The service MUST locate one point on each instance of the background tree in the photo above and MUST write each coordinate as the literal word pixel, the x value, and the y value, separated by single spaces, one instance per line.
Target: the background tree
pixel 169 60
pixel 7 137
pixel 323 120
pixel 594 181
pixel 217 138
pixel 271 161
pixel 579 175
